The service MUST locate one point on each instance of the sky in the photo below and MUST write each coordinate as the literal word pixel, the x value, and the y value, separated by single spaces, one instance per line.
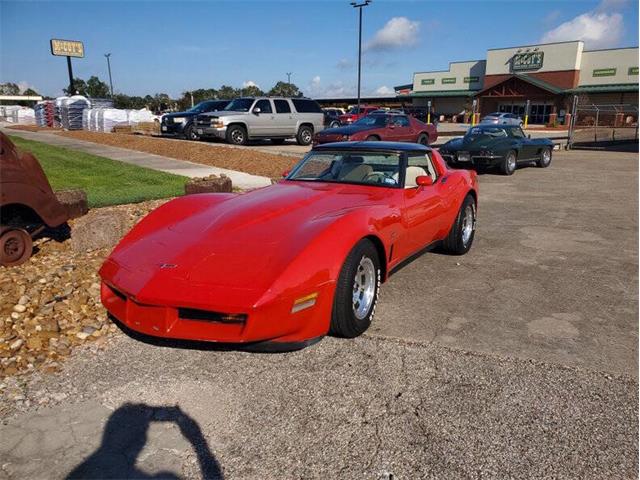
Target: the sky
pixel 175 46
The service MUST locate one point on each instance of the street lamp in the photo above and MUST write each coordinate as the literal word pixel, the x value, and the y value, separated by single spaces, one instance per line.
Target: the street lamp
pixel 107 55
pixel 289 77
pixel 359 6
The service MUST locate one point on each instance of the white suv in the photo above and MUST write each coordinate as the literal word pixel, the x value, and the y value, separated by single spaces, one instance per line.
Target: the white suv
pixel 275 118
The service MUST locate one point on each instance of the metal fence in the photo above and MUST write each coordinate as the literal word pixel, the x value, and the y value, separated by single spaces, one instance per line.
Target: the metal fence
pixel 602 124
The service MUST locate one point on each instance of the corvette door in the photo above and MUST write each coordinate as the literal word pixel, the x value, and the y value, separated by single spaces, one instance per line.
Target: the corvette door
pixel 528 148
pixel 424 207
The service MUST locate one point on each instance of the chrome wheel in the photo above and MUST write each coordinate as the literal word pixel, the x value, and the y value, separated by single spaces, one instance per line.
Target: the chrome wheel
pixel 511 162
pixel 545 157
pixel 306 136
pixel 364 288
pixel 237 136
pixel 468 224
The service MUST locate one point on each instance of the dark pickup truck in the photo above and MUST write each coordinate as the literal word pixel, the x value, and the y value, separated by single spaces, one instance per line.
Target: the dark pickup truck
pixel 181 123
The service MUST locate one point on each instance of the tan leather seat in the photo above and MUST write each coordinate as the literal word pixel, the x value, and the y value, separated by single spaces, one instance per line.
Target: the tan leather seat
pixel 354 172
pixel 411 175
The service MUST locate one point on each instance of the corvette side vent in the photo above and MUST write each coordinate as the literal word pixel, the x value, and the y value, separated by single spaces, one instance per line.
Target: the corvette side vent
pixel 207 316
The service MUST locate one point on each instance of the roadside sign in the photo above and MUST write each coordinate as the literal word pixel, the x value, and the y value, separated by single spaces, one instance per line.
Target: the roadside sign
pixel 67 48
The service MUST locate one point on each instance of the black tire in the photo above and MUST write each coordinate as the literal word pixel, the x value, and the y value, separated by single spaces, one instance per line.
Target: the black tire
pixel 457 243
pixel 344 320
pixel 372 138
pixel 423 139
pixel 190 133
pixel 334 124
pixel 545 158
pixel 277 141
pixel 237 135
pixel 509 163
pixel 305 135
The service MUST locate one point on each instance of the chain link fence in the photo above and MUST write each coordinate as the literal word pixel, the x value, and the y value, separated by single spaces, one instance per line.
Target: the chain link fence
pixel 594 125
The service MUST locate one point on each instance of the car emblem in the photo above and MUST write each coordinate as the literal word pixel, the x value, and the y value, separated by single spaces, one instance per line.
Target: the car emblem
pixel 168 265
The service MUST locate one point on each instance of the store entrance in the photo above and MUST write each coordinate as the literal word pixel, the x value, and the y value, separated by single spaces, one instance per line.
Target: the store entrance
pixel 538 115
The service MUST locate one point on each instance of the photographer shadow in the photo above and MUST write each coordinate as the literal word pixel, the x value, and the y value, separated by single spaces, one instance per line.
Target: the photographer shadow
pixel 125 436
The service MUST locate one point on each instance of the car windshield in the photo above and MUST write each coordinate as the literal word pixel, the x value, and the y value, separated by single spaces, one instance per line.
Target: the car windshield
pixel 354 111
pixel 200 107
pixel 488 131
pixel 366 168
pixel 372 121
pixel 240 105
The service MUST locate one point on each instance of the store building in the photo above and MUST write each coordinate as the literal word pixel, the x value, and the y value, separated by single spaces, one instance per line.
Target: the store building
pixel 545 76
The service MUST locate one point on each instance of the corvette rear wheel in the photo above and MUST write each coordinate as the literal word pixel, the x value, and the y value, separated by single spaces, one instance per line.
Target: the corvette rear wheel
pixel 545 158
pixel 460 238
pixel 356 294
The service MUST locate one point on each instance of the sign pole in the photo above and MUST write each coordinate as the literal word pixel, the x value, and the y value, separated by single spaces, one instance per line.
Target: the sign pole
pixel 526 114
pixel 71 90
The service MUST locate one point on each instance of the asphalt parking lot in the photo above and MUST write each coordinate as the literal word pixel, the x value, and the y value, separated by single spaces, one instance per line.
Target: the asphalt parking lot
pixel 517 360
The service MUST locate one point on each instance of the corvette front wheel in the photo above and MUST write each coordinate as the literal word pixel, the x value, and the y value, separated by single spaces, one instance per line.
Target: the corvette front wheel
pixel 460 238
pixel 356 294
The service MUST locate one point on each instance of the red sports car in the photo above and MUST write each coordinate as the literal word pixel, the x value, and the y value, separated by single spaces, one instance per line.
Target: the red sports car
pixel 355 114
pixel 280 267
pixel 390 127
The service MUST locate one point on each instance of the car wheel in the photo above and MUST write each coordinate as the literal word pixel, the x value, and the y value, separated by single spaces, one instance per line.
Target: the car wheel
pixel 237 135
pixel 334 124
pixel 356 294
pixel 372 138
pixel 16 247
pixel 277 141
pixel 508 165
pixel 190 133
pixel 423 139
pixel 545 158
pixel 305 135
pixel 460 237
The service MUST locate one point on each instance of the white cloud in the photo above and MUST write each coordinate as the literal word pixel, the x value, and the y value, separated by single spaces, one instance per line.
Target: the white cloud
pixel 344 64
pixel 384 90
pixel 397 32
pixel 599 28
pixel 24 85
pixel 250 83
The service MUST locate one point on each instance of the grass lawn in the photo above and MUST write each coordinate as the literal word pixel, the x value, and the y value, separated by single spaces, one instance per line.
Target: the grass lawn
pixel 106 181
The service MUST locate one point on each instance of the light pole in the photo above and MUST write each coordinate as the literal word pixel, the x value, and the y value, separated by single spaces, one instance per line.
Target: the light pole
pixel 107 55
pixel 359 6
pixel 289 77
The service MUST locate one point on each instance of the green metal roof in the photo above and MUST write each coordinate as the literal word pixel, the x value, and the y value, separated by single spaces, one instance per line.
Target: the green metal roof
pixel 442 93
pixel 539 83
pixel 614 87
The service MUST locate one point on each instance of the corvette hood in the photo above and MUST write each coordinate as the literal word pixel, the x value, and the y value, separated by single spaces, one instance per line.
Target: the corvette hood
pixel 244 242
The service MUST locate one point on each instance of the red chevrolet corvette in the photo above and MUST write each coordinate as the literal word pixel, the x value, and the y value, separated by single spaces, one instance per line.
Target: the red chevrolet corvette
pixel 389 127
pixel 280 267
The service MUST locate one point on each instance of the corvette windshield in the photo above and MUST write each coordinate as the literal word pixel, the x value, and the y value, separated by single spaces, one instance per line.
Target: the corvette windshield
pixel 488 131
pixel 372 121
pixel 367 168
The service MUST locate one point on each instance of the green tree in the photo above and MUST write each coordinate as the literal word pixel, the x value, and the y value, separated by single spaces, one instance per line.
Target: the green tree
pixel 227 93
pixel 96 88
pixel 79 87
pixel 9 89
pixel 251 91
pixel 284 89
pixel 30 91
pixel 199 95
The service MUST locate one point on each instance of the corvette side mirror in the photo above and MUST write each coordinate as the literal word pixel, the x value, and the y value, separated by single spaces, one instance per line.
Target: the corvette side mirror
pixel 286 173
pixel 424 181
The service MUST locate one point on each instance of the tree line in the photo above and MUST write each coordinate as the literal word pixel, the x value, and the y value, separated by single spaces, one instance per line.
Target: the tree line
pixel 96 88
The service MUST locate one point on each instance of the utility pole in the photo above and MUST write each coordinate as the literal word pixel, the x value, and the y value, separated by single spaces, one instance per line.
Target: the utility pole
pixel 360 6
pixel 107 55
pixel 289 77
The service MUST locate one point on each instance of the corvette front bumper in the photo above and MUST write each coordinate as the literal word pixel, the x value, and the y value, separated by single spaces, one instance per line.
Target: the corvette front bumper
pixel 276 321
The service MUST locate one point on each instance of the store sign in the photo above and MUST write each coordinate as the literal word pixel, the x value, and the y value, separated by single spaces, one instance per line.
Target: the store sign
pixel 449 80
pixel 471 79
pixel 522 62
pixel 427 81
pixel 633 71
pixel 67 48
pixel 604 72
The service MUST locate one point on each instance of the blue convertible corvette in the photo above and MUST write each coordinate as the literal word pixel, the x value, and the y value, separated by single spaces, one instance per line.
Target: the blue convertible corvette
pixel 502 146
